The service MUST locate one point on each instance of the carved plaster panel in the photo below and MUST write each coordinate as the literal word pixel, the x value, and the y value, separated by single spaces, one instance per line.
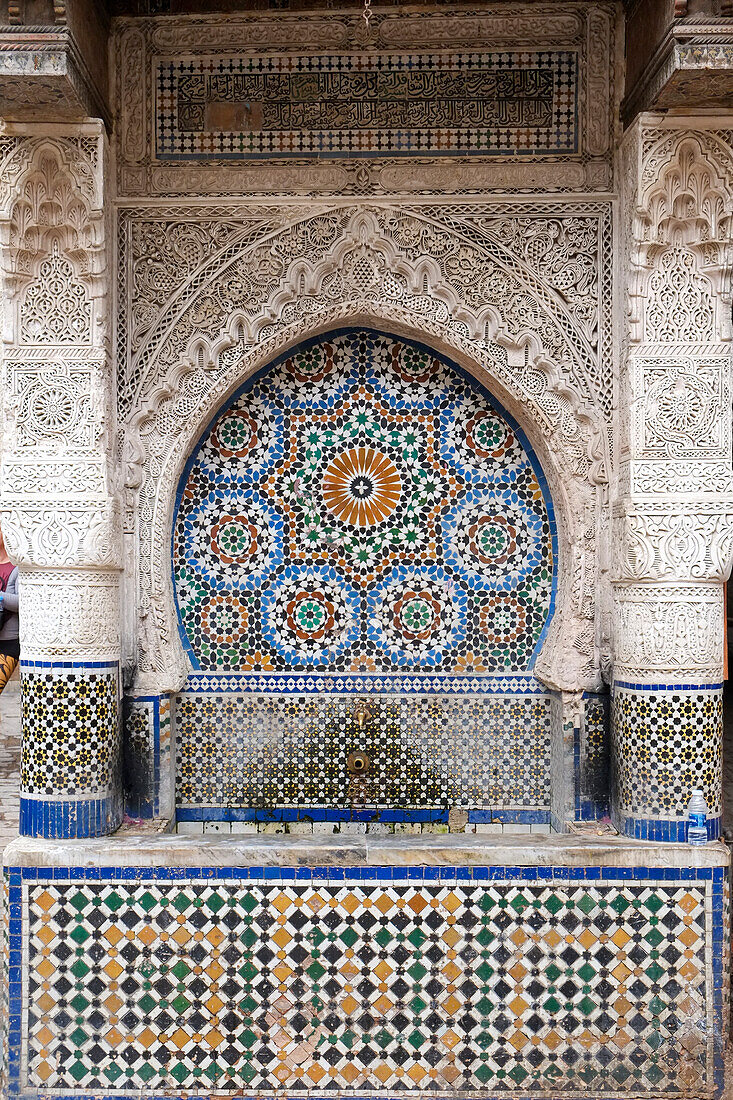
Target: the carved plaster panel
pixel 56 474
pixel 681 407
pixel 674 520
pixel 669 632
pixel 679 540
pixel 589 33
pixel 56 534
pixel 52 406
pixel 70 614
pixel 678 229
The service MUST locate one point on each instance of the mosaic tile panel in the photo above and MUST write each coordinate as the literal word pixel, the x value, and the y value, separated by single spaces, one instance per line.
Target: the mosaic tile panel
pixel 140 751
pixel 666 741
pixel 367 104
pixel 70 719
pixel 276 751
pixel 372 981
pixel 363 507
pixel 593 761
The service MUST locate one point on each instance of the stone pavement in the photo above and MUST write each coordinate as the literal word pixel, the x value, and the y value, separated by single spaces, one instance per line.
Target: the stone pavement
pixel 9 761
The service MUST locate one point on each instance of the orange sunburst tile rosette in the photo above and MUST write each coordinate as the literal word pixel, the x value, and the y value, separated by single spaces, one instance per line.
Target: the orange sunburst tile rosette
pixel 361 487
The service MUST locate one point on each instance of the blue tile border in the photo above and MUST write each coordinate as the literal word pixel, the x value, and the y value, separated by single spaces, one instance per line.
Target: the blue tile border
pixel 437 815
pixel 368 873
pixel 32 666
pixel 69 819
pixel 287 683
pixel 629 686
pixel 667 831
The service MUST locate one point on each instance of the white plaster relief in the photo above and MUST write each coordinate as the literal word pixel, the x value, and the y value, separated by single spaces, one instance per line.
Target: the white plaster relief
pixel 465 292
pixel 674 424
pixel 685 540
pixel 682 408
pixel 57 495
pixel 668 632
pixel 70 614
pixel 679 219
pixel 53 406
pixel 48 533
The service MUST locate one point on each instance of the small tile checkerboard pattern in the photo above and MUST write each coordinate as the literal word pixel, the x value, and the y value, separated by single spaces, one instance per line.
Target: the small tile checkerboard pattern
pixel 140 772
pixel 367 104
pixel 423 751
pixel 70 722
pixel 667 741
pixel 354 986
pixel 593 765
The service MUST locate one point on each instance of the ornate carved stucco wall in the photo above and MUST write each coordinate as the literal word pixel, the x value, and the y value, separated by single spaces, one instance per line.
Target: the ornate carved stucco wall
pixel 456 286
pixel 673 511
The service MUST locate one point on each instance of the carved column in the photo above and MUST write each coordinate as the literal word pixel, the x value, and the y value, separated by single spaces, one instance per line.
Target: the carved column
pixel 57 501
pixel 673 514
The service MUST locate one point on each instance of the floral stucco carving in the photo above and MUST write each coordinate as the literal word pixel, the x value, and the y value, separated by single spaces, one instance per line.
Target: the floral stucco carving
pixel 515 299
pixel 673 516
pixel 60 513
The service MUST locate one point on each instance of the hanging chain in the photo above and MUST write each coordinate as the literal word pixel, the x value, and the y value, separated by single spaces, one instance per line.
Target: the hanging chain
pixel 367 13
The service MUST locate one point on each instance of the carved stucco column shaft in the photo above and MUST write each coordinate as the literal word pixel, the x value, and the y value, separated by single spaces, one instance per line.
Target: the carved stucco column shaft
pixel 57 501
pixel 673 512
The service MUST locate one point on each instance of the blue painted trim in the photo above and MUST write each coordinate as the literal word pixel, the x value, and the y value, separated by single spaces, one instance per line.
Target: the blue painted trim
pixel 69 820
pixel 474 873
pixel 628 686
pixel 667 831
pixel 305 683
pixel 32 665
pixel 590 809
pixel 345 331
pixel 437 815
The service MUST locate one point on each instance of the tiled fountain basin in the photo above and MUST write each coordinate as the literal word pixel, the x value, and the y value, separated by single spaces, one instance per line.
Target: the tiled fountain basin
pixel 433 965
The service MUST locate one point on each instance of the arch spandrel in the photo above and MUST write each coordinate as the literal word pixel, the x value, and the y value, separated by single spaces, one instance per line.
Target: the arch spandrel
pixel 195 367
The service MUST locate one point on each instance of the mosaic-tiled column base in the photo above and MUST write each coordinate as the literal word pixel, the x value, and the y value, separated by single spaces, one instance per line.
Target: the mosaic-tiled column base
pixel 439 981
pixel 70 763
pixel 146 772
pixel 667 739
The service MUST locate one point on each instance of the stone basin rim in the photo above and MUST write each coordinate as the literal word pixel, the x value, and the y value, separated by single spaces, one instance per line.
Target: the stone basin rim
pixel 175 850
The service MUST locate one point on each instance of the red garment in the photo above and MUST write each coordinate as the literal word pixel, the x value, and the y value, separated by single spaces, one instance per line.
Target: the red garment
pixel 6 568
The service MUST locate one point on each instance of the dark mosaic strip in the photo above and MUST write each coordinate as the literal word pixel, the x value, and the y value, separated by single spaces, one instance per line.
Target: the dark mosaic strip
pixel 468 752
pixel 370 105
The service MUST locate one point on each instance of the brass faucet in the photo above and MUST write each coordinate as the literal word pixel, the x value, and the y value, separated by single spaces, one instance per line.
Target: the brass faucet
pixel 361 713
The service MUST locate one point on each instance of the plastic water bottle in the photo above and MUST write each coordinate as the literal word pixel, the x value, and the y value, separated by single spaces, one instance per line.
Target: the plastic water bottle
pixel 697 813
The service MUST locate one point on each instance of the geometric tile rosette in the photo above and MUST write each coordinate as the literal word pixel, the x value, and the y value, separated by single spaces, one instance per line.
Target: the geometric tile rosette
pixel 666 743
pixel 356 987
pixel 424 751
pixel 362 506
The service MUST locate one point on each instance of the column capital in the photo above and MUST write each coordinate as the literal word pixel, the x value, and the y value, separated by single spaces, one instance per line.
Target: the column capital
pixel 671 539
